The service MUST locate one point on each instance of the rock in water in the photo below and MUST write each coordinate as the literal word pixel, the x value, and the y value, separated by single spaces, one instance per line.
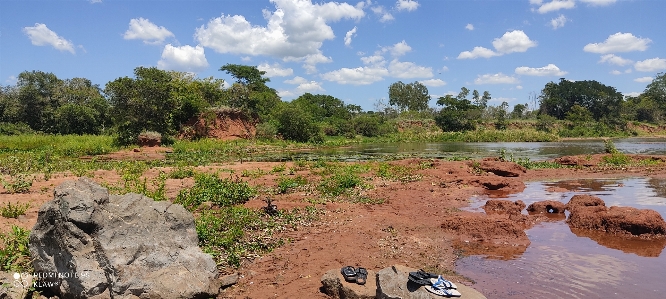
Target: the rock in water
pixel 89 244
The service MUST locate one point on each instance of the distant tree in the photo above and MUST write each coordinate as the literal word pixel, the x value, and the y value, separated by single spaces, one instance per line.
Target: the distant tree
pixel 249 76
pixel 458 114
pixel 599 99
pixel 518 111
pixel 413 96
pixel 37 100
pixel 323 107
pixel 296 123
pixel 500 116
pixel 656 91
pixel 484 100
pixel 250 92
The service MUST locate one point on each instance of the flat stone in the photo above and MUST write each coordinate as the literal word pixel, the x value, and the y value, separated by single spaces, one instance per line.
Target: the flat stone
pixel 334 285
pixel 393 283
pixel 228 280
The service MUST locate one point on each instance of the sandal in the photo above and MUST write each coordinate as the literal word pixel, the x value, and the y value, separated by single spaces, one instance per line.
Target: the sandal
pixel 349 273
pixel 421 277
pixel 361 275
pixel 443 292
pixel 442 283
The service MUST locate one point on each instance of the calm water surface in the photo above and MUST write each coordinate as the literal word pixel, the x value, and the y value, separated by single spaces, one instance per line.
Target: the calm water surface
pixel 561 263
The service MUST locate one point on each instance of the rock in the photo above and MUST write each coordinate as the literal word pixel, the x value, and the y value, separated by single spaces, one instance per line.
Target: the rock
pixel 88 244
pixel 497 183
pixel 228 280
pixel 546 207
pixel 503 206
pixel 14 285
pixel 505 169
pixel 482 227
pixel 584 200
pixel 392 283
pixel 334 285
pixel 618 220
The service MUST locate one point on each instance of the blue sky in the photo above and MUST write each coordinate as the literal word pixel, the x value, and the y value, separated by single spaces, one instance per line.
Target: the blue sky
pixel 350 50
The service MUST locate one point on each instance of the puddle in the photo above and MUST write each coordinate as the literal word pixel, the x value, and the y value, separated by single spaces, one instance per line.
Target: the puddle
pixel 561 262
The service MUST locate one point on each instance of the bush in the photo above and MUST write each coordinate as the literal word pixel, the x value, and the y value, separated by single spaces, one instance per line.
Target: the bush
pixel 545 123
pixel 14 253
pixel 209 187
pixel 296 124
pixel 15 129
pixel 366 125
pixel 13 211
pixel 287 183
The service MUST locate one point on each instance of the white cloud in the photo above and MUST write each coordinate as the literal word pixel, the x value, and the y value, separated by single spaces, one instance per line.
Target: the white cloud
pixel 554 5
pixel 628 71
pixel 598 2
pixel 408 5
pixel 614 59
pixel 644 79
pixel 549 70
pixel 296 80
pixel 184 59
pixel 275 70
pixel 286 93
pixel 40 35
pixel 536 2
pixel 295 29
pixel 558 22
pixel 246 58
pixel 478 52
pixel 311 86
pixel 144 30
pixel 519 87
pixel 632 94
pixel 373 60
pixel 433 82
pixel 95 1
pixel 11 80
pixel 405 70
pixel 349 35
pixel 357 76
pixel 469 27
pixel 615 72
pixel 619 42
pixel 399 49
pixel 498 78
pixel 651 65
pixel 380 10
pixel 514 41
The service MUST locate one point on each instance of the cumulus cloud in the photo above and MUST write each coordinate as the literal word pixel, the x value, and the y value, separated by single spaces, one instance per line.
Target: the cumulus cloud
pixel 631 94
pixel 357 76
pixel 469 27
pixel 311 86
pixel 498 78
pixel 296 29
pixel 408 5
pixel 651 65
pixel 349 35
pixel 145 30
pixel 643 79
pixel 40 35
pixel 549 70
pixel 296 80
pixel 433 82
pixel 619 42
pixel 405 70
pixel 398 49
pixel 558 22
pixel 614 59
pixel 598 2
pixel 184 59
pixel 615 72
pixel 381 11
pixel 554 5
pixel 275 70
pixel 510 42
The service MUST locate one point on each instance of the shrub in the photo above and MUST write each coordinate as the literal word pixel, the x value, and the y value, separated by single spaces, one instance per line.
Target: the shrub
pixel 14 253
pixel 15 128
pixel 209 187
pixel 13 211
pixel 296 124
pixel 20 183
pixel 287 183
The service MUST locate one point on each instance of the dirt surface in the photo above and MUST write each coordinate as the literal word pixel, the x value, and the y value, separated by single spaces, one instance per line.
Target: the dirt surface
pixel 419 225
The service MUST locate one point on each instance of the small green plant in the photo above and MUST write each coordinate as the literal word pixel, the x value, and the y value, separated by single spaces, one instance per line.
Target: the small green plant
pixel 617 159
pixel 253 173
pixel 337 184
pixel 279 168
pixel 609 147
pixel 211 188
pixel 14 253
pixel 13 210
pixel 19 183
pixel 181 173
pixel 288 183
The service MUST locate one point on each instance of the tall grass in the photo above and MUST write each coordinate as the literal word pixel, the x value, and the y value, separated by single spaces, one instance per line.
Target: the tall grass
pixel 61 145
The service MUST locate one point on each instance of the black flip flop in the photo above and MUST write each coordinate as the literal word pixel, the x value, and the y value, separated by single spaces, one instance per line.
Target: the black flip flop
pixel 421 277
pixel 361 275
pixel 349 273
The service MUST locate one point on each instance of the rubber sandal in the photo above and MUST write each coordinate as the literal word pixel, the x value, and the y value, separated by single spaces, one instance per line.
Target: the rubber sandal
pixel 349 273
pixel 421 277
pixel 361 275
pixel 441 283
pixel 443 292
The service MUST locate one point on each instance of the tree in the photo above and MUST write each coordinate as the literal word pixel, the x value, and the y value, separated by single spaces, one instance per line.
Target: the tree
pixel 599 99
pixel 484 100
pixel 518 111
pixel 458 114
pixel 249 76
pixel 250 92
pixel 323 107
pixel 412 97
pixel 500 116
pixel 36 99
pixel 295 123
pixel 656 91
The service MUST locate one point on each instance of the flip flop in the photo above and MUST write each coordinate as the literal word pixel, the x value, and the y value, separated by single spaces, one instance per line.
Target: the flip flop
pixel 421 277
pixel 349 273
pixel 441 283
pixel 443 292
pixel 361 275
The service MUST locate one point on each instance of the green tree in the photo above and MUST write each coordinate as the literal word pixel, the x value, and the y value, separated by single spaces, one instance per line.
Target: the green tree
pixel 656 91
pixel 37 100
pixel 295 123
pixel 250 92
pixel 500 116
pixel 458 114
pixel 412 97
pixel 599 99
pixel 323 107
pixel 518 111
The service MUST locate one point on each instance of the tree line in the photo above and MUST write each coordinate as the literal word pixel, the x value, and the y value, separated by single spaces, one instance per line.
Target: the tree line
pixel 163 101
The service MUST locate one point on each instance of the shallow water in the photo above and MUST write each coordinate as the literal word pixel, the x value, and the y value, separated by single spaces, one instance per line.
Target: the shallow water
pixel 561 263
pixel 531 150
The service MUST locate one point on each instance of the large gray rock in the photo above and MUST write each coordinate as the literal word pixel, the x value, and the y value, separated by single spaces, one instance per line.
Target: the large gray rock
pixel 393 283
pixel 87 244
pixel 334 285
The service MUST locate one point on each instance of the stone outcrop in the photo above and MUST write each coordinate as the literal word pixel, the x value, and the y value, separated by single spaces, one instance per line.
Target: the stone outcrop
pixel 618 220
pixel 88 244
pixel 334 285
pixel 546 207
pixel 503 206
pixel 584 200
pixel 505 169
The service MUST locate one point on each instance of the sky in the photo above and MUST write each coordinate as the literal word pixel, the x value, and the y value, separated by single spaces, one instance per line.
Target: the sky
pixel 350 50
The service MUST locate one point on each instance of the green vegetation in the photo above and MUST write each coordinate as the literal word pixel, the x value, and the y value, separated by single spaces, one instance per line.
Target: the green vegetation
pixel 287 183
pixel 14 253
pixel 13 210
pixel 211 188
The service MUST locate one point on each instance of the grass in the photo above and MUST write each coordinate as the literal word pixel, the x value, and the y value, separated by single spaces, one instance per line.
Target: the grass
pixel 20 183
pixel 288 183
pixel 14 253
pixel 211 188
pixel 10 210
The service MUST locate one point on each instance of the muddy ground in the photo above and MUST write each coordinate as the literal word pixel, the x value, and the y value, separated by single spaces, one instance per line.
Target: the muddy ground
pixel 419 225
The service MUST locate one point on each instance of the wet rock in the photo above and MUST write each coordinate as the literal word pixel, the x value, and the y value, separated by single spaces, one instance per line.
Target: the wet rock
pixel 392 283
pixel 334 285
pixel 574 161
pixel 481 227
pixel 584 200
pixel 498 183
pixel 503 206
pixel 546 207
pixel 618 220
pixel 505 169
pixel 119 246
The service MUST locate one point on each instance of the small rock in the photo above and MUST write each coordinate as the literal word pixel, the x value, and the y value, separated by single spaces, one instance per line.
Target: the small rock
pixel 546 207
pixel 503 206
pixel 334 285
pixel 228 280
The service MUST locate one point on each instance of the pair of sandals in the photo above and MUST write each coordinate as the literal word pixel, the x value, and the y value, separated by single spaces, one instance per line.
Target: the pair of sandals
pixel 434 283
pixel 359 275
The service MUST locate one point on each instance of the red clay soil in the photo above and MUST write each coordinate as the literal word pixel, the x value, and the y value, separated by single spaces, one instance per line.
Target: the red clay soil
pixel 419 225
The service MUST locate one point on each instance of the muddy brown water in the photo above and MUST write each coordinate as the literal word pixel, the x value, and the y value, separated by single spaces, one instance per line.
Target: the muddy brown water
pixel 565 263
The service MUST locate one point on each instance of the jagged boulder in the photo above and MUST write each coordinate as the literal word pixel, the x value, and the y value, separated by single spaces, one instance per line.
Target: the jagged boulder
pixel 88 244
pixel 584 200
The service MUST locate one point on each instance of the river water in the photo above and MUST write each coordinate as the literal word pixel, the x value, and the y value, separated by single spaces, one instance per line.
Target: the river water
pixel 565 263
